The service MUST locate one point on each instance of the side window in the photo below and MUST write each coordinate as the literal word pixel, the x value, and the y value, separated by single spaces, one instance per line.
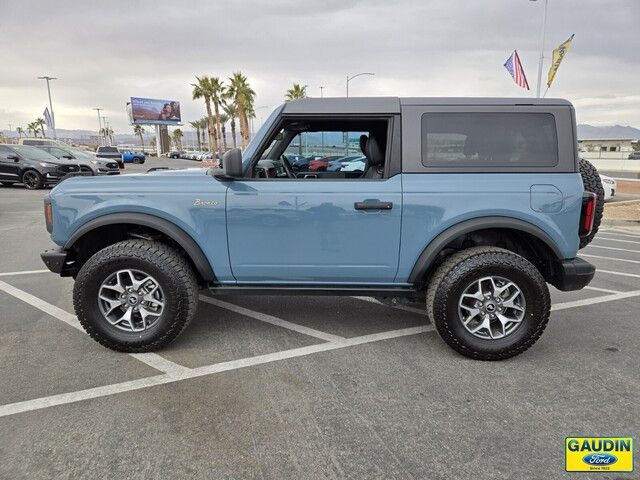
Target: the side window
pixel 489 140
pixel 4 153
pixel 56 152
pixel 326 149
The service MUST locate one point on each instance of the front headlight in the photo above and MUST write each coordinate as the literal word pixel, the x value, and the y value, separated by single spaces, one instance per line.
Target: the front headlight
pixel 45 164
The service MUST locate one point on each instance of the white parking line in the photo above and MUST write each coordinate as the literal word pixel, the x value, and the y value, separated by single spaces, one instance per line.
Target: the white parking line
pixel 263 317
pixel 399 307
pixel 608 239
pixel 598 289
pixel 593 301
pixel 96 392
pixel 622 233
pixel 23 272
pixel 614 248
pixel 609 258
pixel 152 359
pixel 624 274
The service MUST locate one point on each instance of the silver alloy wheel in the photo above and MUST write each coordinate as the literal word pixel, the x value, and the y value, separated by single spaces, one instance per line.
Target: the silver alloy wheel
pixel 131 300
pixel 491 308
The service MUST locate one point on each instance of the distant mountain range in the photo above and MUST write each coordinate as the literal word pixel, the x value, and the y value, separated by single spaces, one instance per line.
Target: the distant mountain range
pixel 615 131
pixel 86 136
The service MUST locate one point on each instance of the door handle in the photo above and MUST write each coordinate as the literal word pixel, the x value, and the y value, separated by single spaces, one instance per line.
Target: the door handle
pixel 373 205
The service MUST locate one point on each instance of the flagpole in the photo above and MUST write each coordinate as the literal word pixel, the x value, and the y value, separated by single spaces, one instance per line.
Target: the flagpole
pixel 541 59
pixel 53 118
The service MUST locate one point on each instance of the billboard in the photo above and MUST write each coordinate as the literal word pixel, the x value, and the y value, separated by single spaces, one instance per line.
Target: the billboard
pixel 154 111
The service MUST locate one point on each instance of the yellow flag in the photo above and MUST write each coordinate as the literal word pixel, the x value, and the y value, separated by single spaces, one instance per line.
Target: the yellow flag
pixel 558 55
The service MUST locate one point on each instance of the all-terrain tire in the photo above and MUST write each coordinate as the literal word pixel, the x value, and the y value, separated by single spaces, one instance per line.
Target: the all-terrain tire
pixel 592 183
pixel 462 269
pixel 163 263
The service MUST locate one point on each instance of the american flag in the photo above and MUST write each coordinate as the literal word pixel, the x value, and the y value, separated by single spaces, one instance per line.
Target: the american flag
pixel 514 67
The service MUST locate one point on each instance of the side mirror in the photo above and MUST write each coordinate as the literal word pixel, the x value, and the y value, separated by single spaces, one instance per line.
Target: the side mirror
pixel 231 165
pixel 15 158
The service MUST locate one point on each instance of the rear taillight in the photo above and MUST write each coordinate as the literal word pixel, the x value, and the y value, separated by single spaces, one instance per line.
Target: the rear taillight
pixel 588 213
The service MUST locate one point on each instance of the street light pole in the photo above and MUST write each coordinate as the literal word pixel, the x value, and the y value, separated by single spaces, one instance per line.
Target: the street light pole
pixel 321 91
pixel 99 124
pixel 542 35
pixel 106 129
pixel 53 118
pixel 354 76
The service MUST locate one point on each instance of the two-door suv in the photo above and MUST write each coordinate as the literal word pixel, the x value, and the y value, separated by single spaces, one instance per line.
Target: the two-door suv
pixel 469 205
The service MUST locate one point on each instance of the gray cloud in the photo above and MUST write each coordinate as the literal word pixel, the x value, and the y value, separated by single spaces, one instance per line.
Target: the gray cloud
pixel 105 52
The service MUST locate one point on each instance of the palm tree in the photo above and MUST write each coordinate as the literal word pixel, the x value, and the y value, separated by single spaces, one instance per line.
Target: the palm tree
pixel 31 128
pixel 40 123
pixel 203 89
pixel 196 124
pixel 231 111
pixel 103 134
pixel 177 138
pixel 139 130
pixel 204 123
pixel 217 92
pixel 224 118
pixel 243 96
pixel 296 92
pixel 20 131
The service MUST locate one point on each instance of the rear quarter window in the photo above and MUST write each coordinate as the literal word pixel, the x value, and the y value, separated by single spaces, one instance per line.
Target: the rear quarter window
pixel 475 139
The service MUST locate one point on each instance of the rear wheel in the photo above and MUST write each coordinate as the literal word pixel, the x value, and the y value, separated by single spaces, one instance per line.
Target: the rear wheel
pixel 135 296
pixel 488 303
pixel 32 180
pixel 592 183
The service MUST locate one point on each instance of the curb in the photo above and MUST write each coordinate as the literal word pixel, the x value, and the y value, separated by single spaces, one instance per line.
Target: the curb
pixel 615 222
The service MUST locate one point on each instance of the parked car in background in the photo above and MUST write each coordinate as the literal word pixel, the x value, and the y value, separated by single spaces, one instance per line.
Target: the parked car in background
pixel 33 167
pixel 88 162
pixel 129 156
pixel 337 164
pixel 321 164
pixel 357 165
pixel 111 153
pixel 609 185
pixel 634 156
pixel 175 154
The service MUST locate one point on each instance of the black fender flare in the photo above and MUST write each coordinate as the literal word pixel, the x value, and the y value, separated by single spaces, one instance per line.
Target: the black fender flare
pixel 431 251
pixel 171 230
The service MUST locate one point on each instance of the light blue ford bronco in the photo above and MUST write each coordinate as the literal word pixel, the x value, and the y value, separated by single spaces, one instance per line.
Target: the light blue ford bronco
pixel 470 206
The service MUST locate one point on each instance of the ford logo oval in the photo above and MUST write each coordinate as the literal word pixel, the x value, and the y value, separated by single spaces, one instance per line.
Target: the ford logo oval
pixel 599 459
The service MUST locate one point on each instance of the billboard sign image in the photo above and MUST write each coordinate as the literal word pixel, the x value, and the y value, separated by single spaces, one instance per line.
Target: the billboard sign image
pixel 154 111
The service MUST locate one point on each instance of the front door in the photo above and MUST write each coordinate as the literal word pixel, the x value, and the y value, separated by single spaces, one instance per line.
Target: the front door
pixel 9 168
pixel 314 230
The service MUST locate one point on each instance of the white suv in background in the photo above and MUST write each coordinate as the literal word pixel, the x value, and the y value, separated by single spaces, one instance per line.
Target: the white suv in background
pixel 610 187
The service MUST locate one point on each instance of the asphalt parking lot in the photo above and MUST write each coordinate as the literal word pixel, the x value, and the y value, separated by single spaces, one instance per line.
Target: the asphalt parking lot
pixel 306 387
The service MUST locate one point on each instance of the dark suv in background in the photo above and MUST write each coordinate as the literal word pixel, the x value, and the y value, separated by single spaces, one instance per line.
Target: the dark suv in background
pixel 33 167
pixel 88 162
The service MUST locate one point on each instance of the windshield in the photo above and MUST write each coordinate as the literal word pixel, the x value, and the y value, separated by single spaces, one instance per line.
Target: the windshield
pixel 82 154
pixel 34 153
pixel 251 148
pixel 107 150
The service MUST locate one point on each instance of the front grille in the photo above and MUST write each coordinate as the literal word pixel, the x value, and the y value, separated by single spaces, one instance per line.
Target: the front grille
pixel 112 165
pixel 68 168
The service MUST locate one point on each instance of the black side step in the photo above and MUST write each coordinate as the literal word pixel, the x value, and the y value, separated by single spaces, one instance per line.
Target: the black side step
pixel 314 290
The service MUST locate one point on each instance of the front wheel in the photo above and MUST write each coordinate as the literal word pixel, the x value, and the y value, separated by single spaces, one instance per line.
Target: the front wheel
pixel 32 180
pixel 135 295
pixel 488 303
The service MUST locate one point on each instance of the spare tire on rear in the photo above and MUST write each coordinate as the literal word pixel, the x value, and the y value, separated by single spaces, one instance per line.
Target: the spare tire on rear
pixel 592 183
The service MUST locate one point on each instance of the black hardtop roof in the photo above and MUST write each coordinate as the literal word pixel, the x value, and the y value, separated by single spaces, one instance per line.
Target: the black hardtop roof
pixel 392 104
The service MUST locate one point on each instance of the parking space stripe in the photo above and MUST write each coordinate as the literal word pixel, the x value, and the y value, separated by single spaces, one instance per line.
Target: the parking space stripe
pixel 608 239
pixel 610 258
pixel 624 274
pixel 23 272
pixel 399 307
pixel 620 233
pixel 598 289
pixel 593 301
pixel 614 248
pixel 152 359
pixel 97 392
pixel 263 317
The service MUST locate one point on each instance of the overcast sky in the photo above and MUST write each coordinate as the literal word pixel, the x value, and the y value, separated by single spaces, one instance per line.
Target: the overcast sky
pixel 106 52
